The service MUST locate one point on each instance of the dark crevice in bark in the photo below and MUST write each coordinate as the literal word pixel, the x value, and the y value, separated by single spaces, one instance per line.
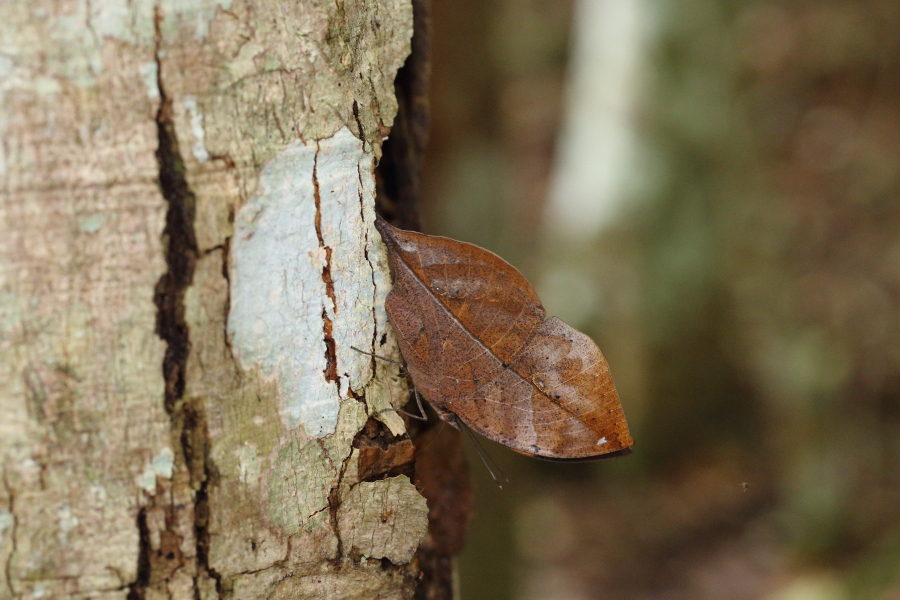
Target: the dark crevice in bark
pixel 226 254
pixel 7 568
pixel 399 172
pixel 137 590
pixel 331 373
pixel 334 503
pixel 195 443
pixel 181 254
pixel 359 125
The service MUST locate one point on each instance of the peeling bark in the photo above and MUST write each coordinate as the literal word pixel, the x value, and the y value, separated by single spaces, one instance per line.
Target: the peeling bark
pixel 188 258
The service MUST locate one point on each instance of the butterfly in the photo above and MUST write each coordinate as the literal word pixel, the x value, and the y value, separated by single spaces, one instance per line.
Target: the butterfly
pixel 480 348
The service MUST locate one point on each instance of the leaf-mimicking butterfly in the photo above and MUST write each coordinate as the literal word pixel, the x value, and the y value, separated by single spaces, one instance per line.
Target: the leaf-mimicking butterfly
pixel 480 348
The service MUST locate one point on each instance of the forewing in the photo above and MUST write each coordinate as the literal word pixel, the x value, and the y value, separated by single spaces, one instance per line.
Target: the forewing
pixel 439 352
pixel 485 294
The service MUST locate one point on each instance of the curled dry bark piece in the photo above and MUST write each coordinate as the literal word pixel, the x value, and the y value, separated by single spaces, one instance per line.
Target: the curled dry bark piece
pixel 479 347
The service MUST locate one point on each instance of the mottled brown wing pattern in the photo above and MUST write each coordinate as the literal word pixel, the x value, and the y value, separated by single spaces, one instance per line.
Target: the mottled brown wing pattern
pixel 478 344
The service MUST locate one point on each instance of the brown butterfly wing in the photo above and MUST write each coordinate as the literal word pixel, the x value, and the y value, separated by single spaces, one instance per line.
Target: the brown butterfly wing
pixel 477 344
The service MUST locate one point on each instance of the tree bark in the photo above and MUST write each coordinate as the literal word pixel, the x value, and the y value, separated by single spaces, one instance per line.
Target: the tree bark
pixel 187 260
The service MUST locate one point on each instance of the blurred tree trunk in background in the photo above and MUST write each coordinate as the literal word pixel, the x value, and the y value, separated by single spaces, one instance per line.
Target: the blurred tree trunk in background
pixel 188 255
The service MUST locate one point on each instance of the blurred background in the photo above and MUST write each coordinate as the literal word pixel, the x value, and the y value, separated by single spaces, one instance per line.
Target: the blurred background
pixel 711 190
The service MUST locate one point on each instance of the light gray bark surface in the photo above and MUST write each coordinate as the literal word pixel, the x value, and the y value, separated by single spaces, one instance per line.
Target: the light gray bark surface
pixel 187 255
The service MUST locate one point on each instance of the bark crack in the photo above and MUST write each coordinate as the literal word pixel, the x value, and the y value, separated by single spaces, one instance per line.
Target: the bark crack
pixel 226 254
pixel 331 372
pixel 362 217
pixel 362 132
pixel 12 534
pixel 334 503
pixel 137 590
pixel 180 247
pixel 187 417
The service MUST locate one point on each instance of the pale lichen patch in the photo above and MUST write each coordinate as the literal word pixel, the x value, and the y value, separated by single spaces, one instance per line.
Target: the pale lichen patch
pixel 92 223
pixel 198 148
pixel 298 484
pixel 283 268
pixel 248 463
pixel 277 292
pixel 6 522
pixel 349 584
pixel 150 74
pixel 384 519
pixel 66 521
pixel 303 473
pixel 161 466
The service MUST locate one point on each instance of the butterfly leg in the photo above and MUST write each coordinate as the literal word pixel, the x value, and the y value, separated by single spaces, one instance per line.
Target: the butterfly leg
pixel 421 416
pixel 384 358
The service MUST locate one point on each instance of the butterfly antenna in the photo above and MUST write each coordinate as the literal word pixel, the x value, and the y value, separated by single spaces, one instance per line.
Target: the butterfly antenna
pixel 485 457
pixel 422 416
pixel 384 358
pixel 403 412
pixel 433 440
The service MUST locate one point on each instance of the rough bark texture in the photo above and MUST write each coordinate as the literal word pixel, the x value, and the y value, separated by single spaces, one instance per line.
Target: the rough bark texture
pixel 187 256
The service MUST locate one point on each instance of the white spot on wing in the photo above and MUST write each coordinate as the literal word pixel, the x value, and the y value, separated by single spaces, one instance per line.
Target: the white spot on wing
pixel 601 441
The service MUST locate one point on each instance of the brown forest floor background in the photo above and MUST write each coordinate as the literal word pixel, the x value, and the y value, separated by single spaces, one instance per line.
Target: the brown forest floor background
pixel 748 298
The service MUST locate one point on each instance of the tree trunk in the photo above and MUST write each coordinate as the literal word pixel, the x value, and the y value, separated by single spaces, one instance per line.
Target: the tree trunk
pixel 187 259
